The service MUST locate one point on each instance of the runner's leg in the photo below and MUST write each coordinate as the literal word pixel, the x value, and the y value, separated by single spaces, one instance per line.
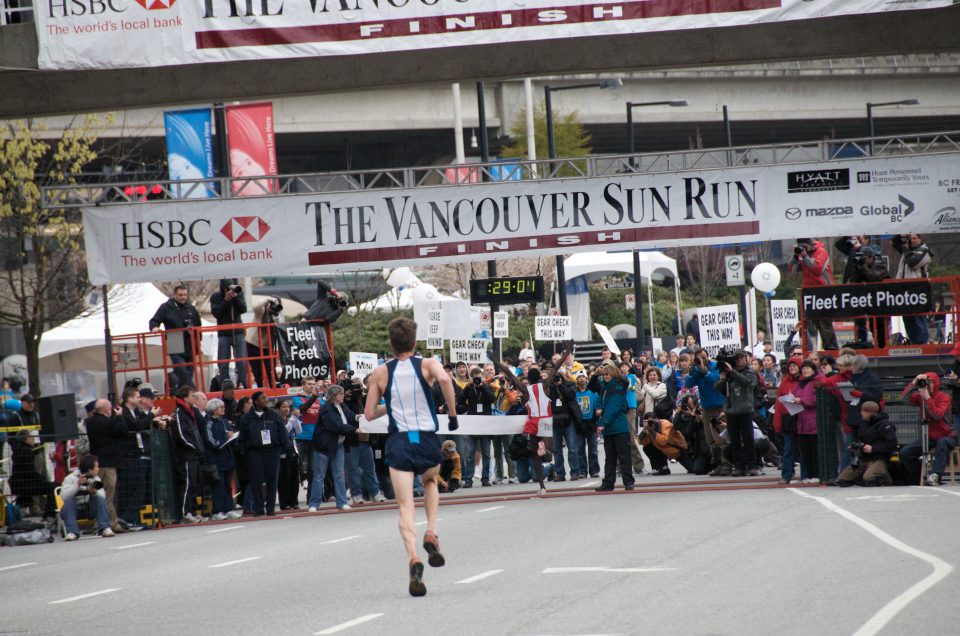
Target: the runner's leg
pixel 431 497
pixel 403 489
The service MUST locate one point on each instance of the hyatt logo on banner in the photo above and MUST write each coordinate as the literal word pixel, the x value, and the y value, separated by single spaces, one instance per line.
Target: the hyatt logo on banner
pixel 303 351
pixel 190 151
pixel 872 299
pixel 719 328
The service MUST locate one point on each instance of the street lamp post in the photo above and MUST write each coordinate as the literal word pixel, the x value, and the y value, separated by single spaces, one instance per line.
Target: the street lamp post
pixel 871 105
pixel 637 287
pixel 552 151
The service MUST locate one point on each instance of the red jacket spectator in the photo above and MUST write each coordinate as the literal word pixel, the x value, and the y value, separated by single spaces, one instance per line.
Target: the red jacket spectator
pixel 787 386
pixel 807 392
pixel 937 408
pixel 815 266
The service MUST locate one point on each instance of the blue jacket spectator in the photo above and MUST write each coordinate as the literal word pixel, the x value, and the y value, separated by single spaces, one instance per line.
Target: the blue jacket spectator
pixel 704 377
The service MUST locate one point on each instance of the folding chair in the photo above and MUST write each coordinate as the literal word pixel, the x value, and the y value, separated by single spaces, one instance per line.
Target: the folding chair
pixel 83 520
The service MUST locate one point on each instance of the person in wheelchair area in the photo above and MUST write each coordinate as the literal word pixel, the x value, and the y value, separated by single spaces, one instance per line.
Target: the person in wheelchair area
pixel 876 441
pixel 84 480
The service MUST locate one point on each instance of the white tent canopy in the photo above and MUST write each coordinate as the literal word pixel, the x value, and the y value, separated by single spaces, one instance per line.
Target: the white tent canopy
pixel 595 264
pixel 655 267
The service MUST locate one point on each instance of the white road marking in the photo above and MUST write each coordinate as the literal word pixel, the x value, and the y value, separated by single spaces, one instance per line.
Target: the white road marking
pixel 227 529
pixel 490 509
pixel 943 490
pixel 893 498
pixel 356 536
pixel 589 484
pixel 83 596
pixel 474 579
pixel 348 624
pixel 223 565
pixel 655 568
pixel 19 565
pixel 941 569
pixel 132 545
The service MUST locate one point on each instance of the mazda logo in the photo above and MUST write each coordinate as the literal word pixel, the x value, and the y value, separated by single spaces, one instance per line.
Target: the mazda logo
pixel 792 213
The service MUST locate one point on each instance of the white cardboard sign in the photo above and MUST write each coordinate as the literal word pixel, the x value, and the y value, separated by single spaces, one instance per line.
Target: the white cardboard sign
pixel 719 327
pixel 362 364
pixel 553 328
pixel 501 324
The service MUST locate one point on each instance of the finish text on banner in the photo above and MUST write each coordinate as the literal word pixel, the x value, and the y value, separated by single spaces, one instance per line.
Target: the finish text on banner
pixel 303 351
pixel 719 327
pixel 873 299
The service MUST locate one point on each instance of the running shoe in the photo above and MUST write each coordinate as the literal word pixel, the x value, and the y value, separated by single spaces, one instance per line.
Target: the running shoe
pixel 542 492
pixel 416 588
pixel 379 498
pixel 432 545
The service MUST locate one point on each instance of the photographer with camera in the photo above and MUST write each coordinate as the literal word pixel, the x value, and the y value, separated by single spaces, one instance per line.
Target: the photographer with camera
pixel 85 480
pixel 177 313
pixel 876 441
pixel 813 260
pixel 475 398
pixel 868 267
pixel 935 411
pixel 360 461
pixel 227 305
pixel 662 442
pixel 686 420
pixel 915 259
pixel 703 377
pixel 562 394
pixel 257 342
pixel 737 382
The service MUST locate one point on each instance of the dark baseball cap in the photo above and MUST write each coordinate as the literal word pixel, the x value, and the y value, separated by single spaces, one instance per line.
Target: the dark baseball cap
pixel 147 393
pixel 27 397
pixel 89 406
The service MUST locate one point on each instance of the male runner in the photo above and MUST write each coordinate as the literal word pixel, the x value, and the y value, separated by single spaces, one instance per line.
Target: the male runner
pixel 412 443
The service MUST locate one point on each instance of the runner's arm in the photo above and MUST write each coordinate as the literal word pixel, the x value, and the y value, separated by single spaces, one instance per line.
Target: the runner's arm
pixel 373 408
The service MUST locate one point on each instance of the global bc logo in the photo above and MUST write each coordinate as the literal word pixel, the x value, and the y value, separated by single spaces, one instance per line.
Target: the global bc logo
pixel 177 242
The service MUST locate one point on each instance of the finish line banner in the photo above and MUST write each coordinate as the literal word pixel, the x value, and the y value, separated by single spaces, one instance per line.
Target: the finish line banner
pixel 88 34
pixel 289 235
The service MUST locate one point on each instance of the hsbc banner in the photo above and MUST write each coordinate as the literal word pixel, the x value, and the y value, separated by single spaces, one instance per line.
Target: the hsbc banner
pixel 85 34
pixel 876 299
pixel 289 235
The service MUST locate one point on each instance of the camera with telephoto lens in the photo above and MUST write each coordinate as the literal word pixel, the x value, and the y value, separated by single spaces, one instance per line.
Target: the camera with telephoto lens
pixel 236 289
pixel 856 450
pixel 274 307
pixel 95 482
pixel 797 250
pixel 922 383
pixel 728 356
pixel 477 381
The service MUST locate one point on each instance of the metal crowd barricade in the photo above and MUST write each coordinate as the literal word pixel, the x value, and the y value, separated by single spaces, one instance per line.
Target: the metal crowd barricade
pixel 828 431
pixel 163 488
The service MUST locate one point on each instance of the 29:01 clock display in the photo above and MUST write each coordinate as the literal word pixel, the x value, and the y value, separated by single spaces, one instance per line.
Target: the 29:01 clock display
pixel 505 291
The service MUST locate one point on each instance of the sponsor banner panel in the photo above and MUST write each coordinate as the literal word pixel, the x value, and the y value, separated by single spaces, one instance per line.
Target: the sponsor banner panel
pixel 303 351
pixel 362 364
pixel 719 327
pixel 85 34
pixel 190 150
pixel 254 236
pixel 252 147
pixel 883 299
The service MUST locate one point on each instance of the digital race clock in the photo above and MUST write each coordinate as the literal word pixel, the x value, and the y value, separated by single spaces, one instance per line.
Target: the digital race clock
pixel 506 291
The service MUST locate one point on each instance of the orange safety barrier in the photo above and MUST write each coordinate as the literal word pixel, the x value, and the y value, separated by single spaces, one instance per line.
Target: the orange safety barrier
pixel 147 355
pixel 945 287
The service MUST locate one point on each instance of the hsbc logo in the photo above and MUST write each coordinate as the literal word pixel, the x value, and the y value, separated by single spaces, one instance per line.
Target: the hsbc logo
pixel 156 5
pixel 245 229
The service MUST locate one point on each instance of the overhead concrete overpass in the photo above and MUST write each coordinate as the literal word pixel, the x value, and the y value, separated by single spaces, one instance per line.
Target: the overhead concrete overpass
pixel 28 91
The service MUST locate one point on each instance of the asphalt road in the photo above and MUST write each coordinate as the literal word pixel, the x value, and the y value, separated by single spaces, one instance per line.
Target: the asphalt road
pixel 770 560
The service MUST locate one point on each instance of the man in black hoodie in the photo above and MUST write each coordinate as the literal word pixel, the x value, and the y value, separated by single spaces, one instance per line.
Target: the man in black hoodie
pixel 177 313
pixel 188 444
pixel 227 305
pixel 108 433
pixel 876 442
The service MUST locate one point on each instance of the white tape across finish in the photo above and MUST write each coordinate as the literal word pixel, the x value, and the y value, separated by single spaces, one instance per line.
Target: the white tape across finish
pixel 941 569
pixel 471 425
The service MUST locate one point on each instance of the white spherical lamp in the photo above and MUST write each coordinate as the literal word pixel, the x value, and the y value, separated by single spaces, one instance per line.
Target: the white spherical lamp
pixel 425 292
pixel 765 277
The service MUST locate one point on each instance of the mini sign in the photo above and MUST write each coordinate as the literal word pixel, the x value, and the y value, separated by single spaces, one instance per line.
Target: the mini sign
pixel 876 299
pixel 362 364
pixel 553 328
pixel 501 325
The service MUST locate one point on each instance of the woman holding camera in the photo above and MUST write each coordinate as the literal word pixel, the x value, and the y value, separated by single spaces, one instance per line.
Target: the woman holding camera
pixel 786 424
pixel 614 428
pixel 652 391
